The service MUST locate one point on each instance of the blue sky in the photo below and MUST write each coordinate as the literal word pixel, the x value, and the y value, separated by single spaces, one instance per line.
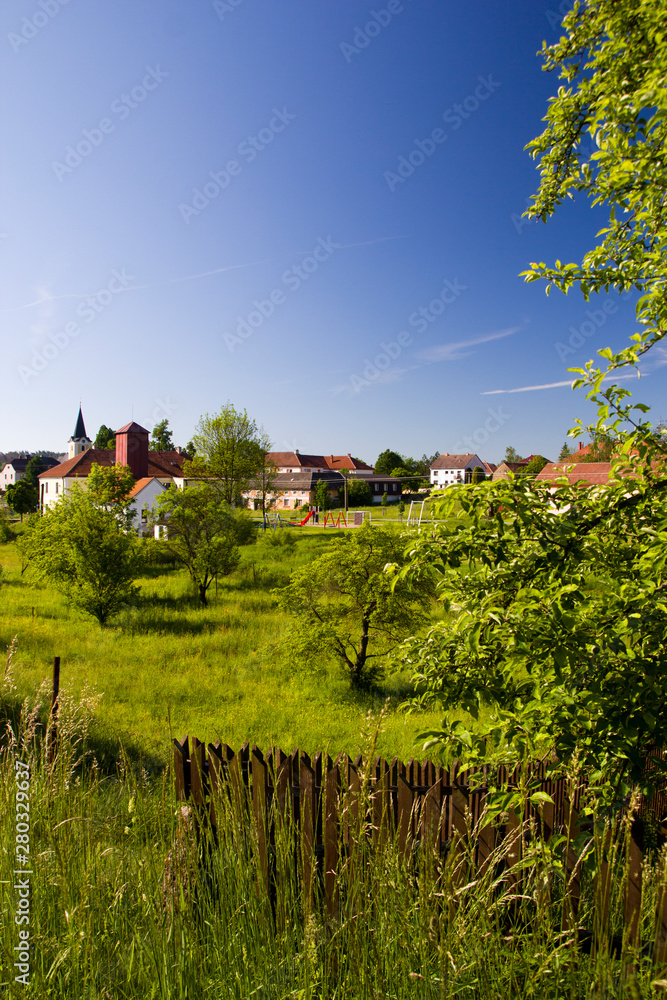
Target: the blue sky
pixel 309 209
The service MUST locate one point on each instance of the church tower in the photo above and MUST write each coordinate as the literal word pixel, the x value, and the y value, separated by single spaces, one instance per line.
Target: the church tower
pixel 79 440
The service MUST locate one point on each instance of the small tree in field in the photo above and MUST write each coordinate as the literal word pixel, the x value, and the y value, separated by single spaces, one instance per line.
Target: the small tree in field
pixel 344 604
pixel 82 549
pixel 204 533
pixel 322 497
pixel 22 497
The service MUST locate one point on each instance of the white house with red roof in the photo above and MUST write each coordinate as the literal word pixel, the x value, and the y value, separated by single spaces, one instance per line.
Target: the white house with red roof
pixel 152 470
pixel 448 470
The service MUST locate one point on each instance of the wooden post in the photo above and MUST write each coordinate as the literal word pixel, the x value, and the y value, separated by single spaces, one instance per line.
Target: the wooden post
pixel 53 733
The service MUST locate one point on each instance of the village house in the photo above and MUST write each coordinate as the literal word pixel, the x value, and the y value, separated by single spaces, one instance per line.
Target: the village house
pixel 14 471
pixel 294 477
pixel 152 470
pixel 448 469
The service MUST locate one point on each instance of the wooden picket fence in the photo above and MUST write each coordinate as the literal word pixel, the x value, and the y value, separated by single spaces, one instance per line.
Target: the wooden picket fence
pixel 423 805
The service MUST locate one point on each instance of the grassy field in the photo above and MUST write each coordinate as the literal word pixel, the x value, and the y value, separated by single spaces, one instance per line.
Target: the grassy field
pixel 168 667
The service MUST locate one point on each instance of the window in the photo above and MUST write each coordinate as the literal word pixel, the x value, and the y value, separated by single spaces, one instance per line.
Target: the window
pixel 377 487
pixel 47 487
pixel 57 484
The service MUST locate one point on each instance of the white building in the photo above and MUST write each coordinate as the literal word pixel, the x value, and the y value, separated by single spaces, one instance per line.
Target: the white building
pixel 448 470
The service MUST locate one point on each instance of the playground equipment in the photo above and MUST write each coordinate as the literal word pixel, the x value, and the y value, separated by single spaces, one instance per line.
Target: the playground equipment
pixel 413 517
pixel 273 521
pixel 329 516
pixel 311 513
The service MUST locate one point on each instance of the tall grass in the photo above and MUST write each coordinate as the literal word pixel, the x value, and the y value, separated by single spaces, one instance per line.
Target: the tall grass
pixel 216 672
pixel 128 902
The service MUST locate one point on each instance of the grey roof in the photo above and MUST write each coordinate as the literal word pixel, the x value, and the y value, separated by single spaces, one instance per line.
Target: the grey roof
pixel 454 461
pixel 80 429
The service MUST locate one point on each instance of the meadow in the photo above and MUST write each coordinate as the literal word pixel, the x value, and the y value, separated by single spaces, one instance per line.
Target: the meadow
pixel 166 666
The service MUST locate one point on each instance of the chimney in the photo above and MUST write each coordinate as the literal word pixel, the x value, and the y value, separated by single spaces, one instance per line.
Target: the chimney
pixel 581 446
pixel 132 449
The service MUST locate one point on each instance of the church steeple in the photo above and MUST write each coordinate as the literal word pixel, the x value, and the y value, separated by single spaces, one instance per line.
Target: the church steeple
pixel 79 441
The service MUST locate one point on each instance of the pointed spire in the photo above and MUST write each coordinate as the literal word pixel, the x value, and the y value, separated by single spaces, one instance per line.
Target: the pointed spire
pixel 80 429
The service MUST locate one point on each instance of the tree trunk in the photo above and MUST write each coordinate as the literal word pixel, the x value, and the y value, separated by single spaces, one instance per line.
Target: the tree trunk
pixel 202 595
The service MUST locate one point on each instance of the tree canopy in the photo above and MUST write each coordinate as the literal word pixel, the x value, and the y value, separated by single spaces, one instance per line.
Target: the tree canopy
pixel 105 438
pixel 204 533
pixel 231 451
pixel 343 604
pixel 558 624
pixel 161 439
pixel 83 549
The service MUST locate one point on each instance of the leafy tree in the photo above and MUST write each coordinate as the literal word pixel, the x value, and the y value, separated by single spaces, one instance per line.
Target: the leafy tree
pixel 33 469
pixel 204 533
pixel 535 465
pixel 82 549
pixel 386 461
pixel 105 438
pixel 322 495
pixel 359 493
pixel 558 626
pixel 110 487
pixel 230 451
pixel 511 454
pixel 477 475
pixel 161 439
pixel 344 604
pixel 22 497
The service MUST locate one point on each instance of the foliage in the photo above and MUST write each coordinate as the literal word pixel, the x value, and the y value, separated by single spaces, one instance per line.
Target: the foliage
pixel 6 533
pixel 105 438
pixel 322 495
pixel 535 465
pixel 511 454
pixel 204 533
pixel 22 497
pixel 384 501
pixel 558 623
pixel 81 547
pixel 230 451
pixel 344 605
pixel 33 469
pixel 359 493
pixel 565 452
pixel 600 449
pixel 161 439
pixel 478 475
pixel 386 461
pixel 110 487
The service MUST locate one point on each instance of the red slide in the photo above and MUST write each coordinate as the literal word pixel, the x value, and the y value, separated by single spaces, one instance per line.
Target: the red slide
pixel 308 515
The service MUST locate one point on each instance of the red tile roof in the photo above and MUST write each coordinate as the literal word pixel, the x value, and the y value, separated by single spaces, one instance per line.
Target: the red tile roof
pixel 161 464
pixel 283 459
pixel 140 483
pixel 585 473
pixel 132 428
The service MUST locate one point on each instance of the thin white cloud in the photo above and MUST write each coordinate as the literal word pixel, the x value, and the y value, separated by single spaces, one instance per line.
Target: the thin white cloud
pixel 547 385
pixel 462 348
pixel 45 296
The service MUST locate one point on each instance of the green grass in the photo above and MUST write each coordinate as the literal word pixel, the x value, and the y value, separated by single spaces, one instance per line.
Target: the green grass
pixel 121 908
pixel 169 667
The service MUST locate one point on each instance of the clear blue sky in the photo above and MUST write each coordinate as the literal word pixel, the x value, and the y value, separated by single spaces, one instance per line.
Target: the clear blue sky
pixel 274 285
